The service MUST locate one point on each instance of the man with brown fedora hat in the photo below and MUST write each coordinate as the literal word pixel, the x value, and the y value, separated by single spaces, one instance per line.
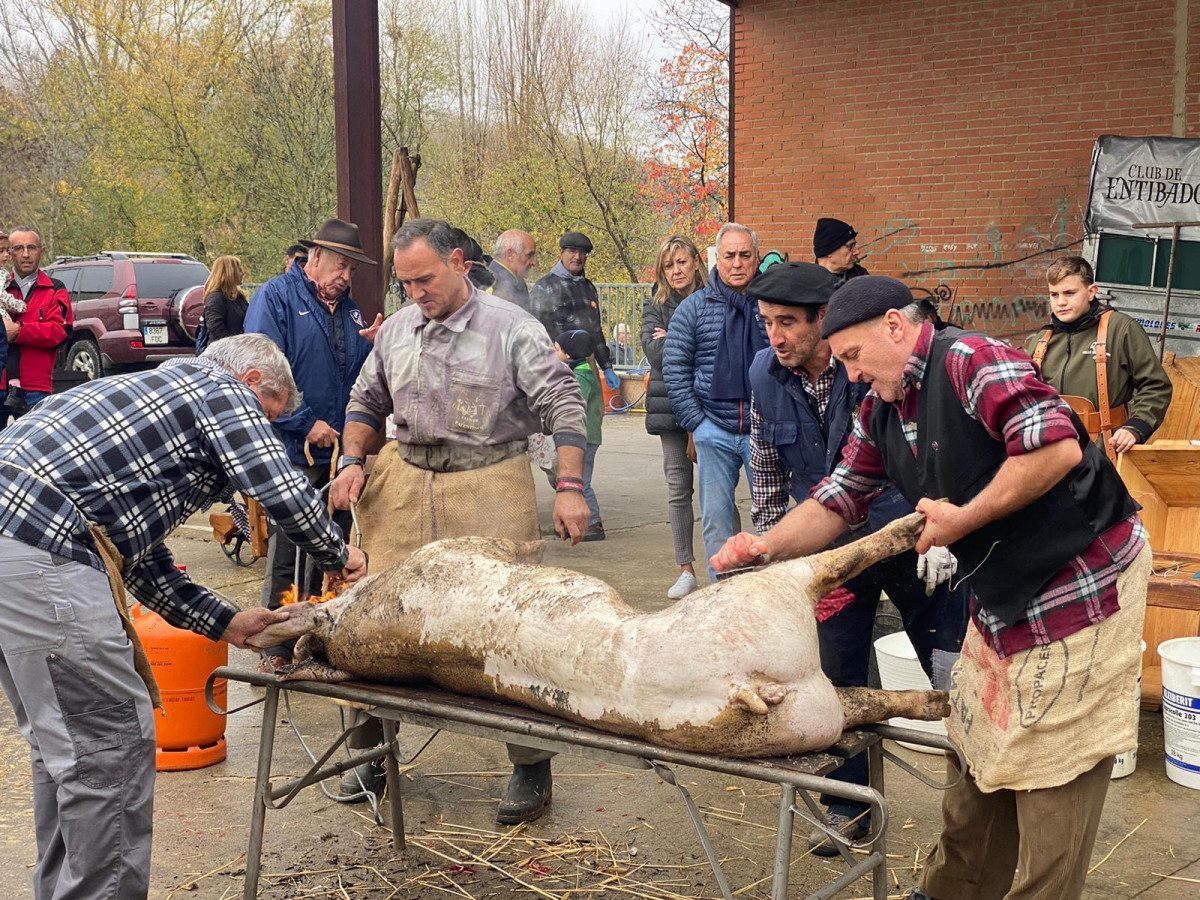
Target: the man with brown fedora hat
pixel 308 312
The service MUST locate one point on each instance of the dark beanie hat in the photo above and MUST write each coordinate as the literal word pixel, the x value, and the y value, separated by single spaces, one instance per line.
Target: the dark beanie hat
pixel 863 298
pixel 793 284
pixel 831 234
pixel 575 240
pixel 577 344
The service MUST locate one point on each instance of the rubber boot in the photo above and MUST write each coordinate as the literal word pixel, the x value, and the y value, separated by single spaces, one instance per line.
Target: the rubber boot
pixel 528 795
pixel 368 775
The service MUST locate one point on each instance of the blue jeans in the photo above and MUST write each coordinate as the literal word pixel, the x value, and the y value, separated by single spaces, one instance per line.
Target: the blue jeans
pixel 589 462
pixel 33 398
pixel 720 457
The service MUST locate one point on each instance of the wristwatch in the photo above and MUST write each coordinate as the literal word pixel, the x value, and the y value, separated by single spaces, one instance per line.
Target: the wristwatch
pixel 344 461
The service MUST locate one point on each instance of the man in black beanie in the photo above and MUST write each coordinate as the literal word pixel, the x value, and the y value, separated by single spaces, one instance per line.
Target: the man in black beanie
pixel 1055 556
pixel 835 246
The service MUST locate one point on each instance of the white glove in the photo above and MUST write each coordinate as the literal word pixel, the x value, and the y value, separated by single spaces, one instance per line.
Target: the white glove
pixel 935 567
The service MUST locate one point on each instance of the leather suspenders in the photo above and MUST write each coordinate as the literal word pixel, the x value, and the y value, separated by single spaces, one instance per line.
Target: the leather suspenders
pixel 1100 421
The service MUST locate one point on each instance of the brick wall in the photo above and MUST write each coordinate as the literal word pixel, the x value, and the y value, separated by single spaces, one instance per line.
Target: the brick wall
pixel 951 135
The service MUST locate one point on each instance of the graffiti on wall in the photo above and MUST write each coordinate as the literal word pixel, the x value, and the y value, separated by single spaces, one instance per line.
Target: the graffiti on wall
pixel 997 283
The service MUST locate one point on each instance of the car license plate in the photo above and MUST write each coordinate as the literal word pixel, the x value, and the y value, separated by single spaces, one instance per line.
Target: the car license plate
pixel 155 334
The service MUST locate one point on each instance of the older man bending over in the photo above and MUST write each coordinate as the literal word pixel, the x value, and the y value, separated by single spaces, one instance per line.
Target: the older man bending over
pixel 92 482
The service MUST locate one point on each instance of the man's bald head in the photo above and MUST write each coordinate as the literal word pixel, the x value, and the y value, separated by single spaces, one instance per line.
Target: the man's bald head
pixel 516 250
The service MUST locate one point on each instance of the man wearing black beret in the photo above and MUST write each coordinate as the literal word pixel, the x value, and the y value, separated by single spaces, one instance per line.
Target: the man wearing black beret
pixel 1056 560
pixel 835 246
pixel 566 300
pixel 801 415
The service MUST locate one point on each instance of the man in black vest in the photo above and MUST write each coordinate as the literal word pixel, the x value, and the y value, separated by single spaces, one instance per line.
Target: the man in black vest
pixel 801 415
pixel 1057 562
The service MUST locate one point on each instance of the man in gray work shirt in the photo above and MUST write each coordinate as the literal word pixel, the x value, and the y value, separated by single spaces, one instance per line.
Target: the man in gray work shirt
pixel 467 377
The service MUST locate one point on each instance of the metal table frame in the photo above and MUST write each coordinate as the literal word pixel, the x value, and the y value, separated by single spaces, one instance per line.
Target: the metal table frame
pixel 431 708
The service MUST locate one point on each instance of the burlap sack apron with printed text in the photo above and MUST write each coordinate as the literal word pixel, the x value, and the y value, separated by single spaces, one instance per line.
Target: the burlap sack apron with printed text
pixel 1042 717
pixel 404 507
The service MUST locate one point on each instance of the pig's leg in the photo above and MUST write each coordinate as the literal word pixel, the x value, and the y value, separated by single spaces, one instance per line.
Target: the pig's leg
pixel 864 706
pixel 833 568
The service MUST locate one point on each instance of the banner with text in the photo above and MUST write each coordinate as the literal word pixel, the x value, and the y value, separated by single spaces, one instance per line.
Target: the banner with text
pixel 1144 179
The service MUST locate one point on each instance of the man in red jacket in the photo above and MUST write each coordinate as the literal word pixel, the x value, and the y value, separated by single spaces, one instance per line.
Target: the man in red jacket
pixel 37 331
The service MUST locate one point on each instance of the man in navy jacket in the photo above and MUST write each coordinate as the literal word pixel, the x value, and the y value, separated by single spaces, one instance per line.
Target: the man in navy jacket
pixel 802 412
pixel 308 312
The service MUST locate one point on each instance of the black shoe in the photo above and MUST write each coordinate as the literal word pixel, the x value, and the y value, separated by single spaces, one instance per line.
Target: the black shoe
pixel 849 827
pixel 528 795
pixel 594 533
pixel 15 402
pixel 917 894
pixel 369 776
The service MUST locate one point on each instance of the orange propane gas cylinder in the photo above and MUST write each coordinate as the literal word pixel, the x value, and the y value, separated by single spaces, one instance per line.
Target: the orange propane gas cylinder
pixel 188 735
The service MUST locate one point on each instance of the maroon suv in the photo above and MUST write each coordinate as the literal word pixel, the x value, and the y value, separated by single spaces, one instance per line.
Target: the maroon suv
pixel 132 310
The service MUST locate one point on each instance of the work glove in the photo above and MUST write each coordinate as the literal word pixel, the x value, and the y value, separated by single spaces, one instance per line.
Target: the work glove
pixel 936 566
pixel 611 379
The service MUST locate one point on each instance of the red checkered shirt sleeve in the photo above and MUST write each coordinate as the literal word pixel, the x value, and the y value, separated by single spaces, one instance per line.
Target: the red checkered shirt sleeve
pixel 859 476
pixel 999 387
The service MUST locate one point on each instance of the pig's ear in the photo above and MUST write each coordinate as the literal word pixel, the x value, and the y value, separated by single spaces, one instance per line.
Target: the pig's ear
pixel 529 551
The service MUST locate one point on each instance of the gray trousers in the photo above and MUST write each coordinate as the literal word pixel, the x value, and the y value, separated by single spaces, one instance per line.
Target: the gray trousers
pixel 67 668
pixel 680 472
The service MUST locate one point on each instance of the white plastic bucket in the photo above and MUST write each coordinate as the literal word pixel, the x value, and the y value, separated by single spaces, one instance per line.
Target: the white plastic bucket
pixel 1125 763
pixel 1181 709
pixel 899 670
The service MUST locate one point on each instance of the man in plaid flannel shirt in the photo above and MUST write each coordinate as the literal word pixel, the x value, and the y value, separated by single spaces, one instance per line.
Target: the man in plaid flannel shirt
pixel 1041 573
pixel 134 456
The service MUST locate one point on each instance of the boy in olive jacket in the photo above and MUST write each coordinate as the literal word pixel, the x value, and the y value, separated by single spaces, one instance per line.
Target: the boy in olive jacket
pixel 1139 390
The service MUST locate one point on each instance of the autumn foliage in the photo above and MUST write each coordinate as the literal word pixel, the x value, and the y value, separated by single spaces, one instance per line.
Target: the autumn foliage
pixel 688 172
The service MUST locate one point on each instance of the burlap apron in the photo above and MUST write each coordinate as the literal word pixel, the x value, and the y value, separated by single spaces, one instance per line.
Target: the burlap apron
pixel 405 507
pixel 113 566
pixel 1044 716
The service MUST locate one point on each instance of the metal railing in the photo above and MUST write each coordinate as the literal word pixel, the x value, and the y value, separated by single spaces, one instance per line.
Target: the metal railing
pixel 621 304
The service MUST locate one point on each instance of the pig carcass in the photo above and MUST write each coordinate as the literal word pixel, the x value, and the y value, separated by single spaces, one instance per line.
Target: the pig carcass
pixel 732 669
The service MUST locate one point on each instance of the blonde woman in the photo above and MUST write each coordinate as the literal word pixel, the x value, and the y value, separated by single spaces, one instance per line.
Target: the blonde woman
pixel 677 273
pixel 224 303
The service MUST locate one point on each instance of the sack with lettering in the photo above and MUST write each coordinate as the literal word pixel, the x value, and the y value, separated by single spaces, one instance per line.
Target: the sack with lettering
pixel 1042 717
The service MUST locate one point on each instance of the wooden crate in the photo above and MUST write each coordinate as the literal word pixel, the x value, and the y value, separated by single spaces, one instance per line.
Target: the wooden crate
pixel 1164 477
pixel 1182 421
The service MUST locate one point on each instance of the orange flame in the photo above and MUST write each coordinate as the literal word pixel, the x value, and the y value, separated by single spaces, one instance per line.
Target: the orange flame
pixel 288 597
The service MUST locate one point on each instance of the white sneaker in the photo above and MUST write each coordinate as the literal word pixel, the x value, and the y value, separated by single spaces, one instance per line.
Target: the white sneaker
pixel 684 585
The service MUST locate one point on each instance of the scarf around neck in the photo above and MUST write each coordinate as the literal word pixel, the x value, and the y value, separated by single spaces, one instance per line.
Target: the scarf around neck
pixel 741 338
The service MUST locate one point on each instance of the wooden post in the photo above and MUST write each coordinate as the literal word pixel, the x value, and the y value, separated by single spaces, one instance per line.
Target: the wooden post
pixel 390 223
pixel 409 166
pixel 1162 335
pixel 357 115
